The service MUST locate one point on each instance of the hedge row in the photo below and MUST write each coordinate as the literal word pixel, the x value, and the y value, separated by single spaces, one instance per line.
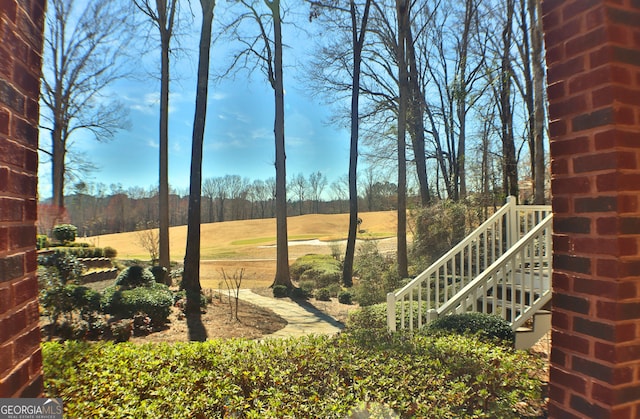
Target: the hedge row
pixel 315 376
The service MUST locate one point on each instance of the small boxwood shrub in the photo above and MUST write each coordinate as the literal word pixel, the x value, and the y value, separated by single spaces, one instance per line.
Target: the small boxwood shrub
pixel 65 265
pixel 134 276
pixel 280 291
pixel 81 251
pixel 154 300
pixel 372 317
pixel 486 325
pixel 345 297
pixel 66 299
pixel 323 294
pixel 301 293
pixel 160 274
pixel 322 269
pixel 65 232
pixel 42 242
pixel 110 252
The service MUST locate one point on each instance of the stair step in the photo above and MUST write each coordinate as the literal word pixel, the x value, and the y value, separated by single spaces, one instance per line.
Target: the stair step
pixel 508 290
pixel 526 337
pixel 99 275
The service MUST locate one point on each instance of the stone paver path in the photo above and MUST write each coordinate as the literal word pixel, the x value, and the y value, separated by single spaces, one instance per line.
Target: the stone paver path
pixel 301 320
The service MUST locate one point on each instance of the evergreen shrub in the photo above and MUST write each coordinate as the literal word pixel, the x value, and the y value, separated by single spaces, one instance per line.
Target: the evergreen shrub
pixel 485 325
pixel 280 291
pixel 323 294
pixel 65 233
pixel 134 276
pixel 153 299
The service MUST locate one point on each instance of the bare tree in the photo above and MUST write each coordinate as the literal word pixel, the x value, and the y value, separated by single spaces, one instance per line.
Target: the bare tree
pixel 162 15
pixel 403 9
pixel 317 183
pixel 191 274
pixel 262 195
pixel 238 191
pixel 148 238
pixel 233 284
pixel 209 192
pixel 82 53
pixel 264 50
pixel 298 184
pixel 358 29
pixel 537 58
pixel 505 106
pixel 340 189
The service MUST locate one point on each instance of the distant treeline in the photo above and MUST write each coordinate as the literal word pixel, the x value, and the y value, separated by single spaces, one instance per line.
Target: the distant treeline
pixel 96 209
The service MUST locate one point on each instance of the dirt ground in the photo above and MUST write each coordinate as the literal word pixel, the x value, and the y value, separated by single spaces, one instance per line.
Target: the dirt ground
pixel 219 321
pixel 253 322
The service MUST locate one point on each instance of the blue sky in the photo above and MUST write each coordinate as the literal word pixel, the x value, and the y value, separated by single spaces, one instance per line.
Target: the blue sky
pixel 239 129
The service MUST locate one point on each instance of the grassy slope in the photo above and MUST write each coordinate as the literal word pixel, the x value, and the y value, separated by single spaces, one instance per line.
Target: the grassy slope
pixel 248 244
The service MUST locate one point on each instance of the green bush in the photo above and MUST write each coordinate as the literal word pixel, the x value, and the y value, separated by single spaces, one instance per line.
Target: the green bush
pixel 69 299
pixel 345 297
pixel 81 251
pixel 154 300
pixel 180 299
pixel 334 289
pixel 485 325
pixel 300 293
pixel 75 244
pixel 65 233
pixel 323 294
pixel 134 276
pixel 110 252
pixel 280 291
pixel 375 316
pixel 160 274
pixel 121 330
pixel 322 269
pixel 367 318
pixel 314 376
pixel 376 275
pixel 66 266
pixel 42 242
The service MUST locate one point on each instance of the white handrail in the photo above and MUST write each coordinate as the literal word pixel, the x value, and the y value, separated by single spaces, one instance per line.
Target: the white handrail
pixel 452 273
pixel 489 279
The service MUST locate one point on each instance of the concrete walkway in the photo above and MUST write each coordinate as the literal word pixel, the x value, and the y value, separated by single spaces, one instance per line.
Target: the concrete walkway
pixel 301 320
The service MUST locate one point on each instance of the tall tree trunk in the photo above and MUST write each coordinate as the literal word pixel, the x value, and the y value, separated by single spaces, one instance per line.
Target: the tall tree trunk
pixel 58 169
pixel 165 25
pixel 358 43
pixel 402 9
pixel 506 113
pixel 415 119
pixel 538 91
pixel 282 243
pixel 191 275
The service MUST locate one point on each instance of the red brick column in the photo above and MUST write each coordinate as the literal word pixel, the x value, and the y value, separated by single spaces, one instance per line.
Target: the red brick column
pixel 21 25
pixel 593 60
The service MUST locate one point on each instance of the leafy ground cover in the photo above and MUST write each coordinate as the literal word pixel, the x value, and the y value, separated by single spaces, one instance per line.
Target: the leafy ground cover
pixel 406 376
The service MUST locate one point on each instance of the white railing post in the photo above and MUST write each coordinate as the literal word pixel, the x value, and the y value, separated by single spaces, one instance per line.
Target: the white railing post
pixel 513 226
pixel 391 312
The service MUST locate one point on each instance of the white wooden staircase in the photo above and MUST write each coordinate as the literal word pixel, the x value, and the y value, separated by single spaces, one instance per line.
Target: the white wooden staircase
pixel 502 268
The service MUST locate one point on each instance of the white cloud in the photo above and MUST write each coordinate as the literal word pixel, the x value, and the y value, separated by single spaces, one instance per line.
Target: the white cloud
pixel 149 104
pixel 261 134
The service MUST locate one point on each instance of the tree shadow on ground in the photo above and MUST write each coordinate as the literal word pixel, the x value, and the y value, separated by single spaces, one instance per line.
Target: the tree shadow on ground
pixel 197 331
pixel 308 306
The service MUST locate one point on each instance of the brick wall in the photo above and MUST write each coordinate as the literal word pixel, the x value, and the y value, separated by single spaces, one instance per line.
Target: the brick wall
pixel 593 60
pixel 21 24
